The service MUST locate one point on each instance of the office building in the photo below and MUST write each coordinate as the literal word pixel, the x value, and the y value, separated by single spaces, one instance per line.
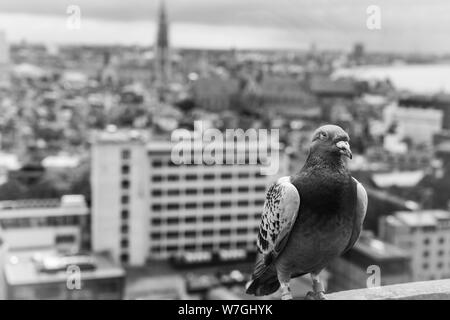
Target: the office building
pixel 146 207
pixel 4 61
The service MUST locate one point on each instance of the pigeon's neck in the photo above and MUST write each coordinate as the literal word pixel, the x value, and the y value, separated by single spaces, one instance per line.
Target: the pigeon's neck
pixel 326 161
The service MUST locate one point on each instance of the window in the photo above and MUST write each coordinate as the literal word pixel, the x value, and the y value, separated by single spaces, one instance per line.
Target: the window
pixel 191 177
pixel 126 154
pixel 156 221
pixel 156 193
pixel 425 266
pixel 156 207
pixel 241 230
pixel 124 214
pixel 441 240
pixel 243 189
pixel 124 229
pixel 208 219
pixel 260 188
pixel 225 218
pixel 191 205
pixel 189 247
pixel 125 169
pixel 226 190
pixel 224 245
pixel 172 220
pixel 124 258
pixel 157 163
pixel 243 203
pixel 172 248
pixel 172 235
pixel 173 177
pixel 125 184
pixel 426 241
pixel 207 232
pixel 208 191
pixel 65 238
pixel 207 246
pixel 242 217
pixel 225 232
pixel 155 236
pixel 225 204
pixel 173 192
pixel 440 265
pixel 425 254
pixel 124 199
pixel 243 175
pixel 259 202
pixel 191 191
pixel 124 243
pixel 190 219
pixel 173 206
pixel 208 204
pixel 189 234
pixel 440 253
pixel 157 178
pixel 208 176
pixel 225 176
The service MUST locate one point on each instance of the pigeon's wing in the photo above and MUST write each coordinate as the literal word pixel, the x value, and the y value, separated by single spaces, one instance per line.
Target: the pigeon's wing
pixel 361 209
pixel 280 211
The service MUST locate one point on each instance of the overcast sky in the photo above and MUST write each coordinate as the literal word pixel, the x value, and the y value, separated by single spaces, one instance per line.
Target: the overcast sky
pixel 407 25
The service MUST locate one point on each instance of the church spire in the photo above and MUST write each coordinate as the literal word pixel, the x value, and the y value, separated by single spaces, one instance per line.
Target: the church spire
pixel 162 58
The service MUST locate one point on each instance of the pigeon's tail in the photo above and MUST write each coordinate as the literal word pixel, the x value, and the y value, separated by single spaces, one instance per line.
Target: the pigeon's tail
pixel 264 279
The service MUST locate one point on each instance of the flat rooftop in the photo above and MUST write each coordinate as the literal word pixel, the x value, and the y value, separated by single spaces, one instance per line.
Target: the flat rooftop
pixel 25 268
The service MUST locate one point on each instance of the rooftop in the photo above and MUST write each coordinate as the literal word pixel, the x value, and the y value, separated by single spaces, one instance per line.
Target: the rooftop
pixel 421 218
pixel 25 268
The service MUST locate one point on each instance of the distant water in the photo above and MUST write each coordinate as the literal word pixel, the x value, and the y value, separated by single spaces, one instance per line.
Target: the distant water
pixel 425 79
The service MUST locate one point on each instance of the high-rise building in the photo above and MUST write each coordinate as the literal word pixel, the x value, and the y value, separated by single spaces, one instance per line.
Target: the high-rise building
pixel 425 235
pixel 162 53
pixel 146 207
pixel 4 60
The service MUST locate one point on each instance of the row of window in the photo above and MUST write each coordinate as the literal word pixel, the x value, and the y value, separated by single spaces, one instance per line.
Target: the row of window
pixel 41 222
pixel 205 246
pixel 192 191
pixel 439 265
pixel 205 205
pixel 206 176
pixel 235 160
pixel 206 233
pixel 125 184
pixel 206 218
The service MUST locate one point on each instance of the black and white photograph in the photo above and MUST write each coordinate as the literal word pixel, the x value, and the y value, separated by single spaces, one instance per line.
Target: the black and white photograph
pixel 252 150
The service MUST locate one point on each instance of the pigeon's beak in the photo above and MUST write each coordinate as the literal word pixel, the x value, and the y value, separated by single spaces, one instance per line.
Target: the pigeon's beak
pixel 344 148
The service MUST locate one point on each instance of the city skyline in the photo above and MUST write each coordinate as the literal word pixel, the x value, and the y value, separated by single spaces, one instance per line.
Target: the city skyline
pixel 287 24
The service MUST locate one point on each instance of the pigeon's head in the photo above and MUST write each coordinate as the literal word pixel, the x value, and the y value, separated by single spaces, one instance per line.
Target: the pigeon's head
pixel 331 140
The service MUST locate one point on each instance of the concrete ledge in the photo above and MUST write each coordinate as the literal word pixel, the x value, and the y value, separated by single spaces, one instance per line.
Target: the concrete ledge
pixel 426 290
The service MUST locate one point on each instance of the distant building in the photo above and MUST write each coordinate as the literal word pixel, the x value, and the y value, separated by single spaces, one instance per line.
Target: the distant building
pixel 162 53
pixel 61 224
pixel 351 271
pixel 4 61
pixel 146 207
pixel 214 93
pixel 426 236
pixel 47 275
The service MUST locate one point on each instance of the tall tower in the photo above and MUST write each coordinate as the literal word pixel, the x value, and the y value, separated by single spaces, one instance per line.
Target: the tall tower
pixel 162 54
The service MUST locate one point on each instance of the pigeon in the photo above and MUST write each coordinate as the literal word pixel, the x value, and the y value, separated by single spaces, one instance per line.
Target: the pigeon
pixel 309 218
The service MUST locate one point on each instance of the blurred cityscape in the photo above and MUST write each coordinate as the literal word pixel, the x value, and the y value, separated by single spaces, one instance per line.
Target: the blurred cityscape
pixel 93 207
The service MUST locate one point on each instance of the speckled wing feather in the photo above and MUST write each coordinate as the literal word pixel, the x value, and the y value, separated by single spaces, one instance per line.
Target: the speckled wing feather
pixel 279 214
pixel 361 209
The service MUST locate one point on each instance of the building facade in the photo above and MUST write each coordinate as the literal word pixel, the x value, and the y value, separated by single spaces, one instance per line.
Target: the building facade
pixel 425 235
pixel 147 207
pixel 45 223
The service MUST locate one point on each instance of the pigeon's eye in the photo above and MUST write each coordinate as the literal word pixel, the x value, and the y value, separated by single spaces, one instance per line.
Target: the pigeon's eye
pixel 322 135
